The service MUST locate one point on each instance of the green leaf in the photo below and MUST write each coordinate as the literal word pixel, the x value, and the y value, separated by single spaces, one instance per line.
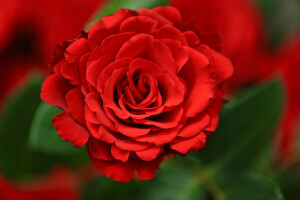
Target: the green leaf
pixel 18 160
pixel 246 128
pixel 254 187
pixel 114 5
pixel 289 182
pixel 43 136
pixel 15 123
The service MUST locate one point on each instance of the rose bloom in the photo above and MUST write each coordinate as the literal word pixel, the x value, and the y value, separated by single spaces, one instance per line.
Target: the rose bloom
pixel 240 24
pixel 288 57
pixel 28 31
pixel 136 89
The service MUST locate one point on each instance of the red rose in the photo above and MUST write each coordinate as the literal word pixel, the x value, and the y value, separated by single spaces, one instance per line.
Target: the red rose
pixel 136 89
pixel 288 57
pixel 241 25
pixel 28 31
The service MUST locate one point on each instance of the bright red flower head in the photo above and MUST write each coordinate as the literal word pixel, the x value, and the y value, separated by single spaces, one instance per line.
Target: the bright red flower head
pixel 241 26
pixel 137 88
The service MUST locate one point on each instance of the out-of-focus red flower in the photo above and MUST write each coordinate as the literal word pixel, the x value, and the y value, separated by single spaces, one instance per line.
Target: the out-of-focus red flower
pixel 240 24
pixel 137 88
pixel 58 184
pixel 289 59
pixel 29 29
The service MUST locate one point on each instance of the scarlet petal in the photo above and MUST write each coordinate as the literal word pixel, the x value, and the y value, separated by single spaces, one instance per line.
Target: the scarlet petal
pixel 69 130
pixel 54 91
pixel 146 170
pixel 198 75
pixel 149 154
pixel 107 26
pixel 76 49
pixel 116 170
pixel 99 150
pixel 223 65
pixel 154 15
pixel 139 24
pixel 184 146
pixel 162 55
pixel 93 101
pixel 195 126
pixel 119 154
pixel 170 13
pixel 76 104
pixel 70 71
pixel 95 68
pixel 159 137
pixel 131 145
pixel 170 32
pixel 214 120
pixel 180 55
pixel 135 46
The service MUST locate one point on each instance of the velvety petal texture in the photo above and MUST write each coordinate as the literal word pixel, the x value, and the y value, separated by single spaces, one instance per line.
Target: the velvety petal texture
pixel 135 90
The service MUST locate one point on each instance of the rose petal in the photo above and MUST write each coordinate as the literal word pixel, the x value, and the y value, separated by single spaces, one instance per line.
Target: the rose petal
pixel 149 154
pixel 195 125
pixel 184 146
pixel 99 150
pixel 170 13
pixel 69 130
pixel 54 91
pixel 119 154
pixel 76 104
pixel 138 24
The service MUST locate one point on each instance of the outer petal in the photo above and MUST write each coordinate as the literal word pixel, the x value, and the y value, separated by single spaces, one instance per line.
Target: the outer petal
pixel 54 91
pixel 184 146
pixel 99 150
pixel 76 104
pixel 69 130
pixel 149 154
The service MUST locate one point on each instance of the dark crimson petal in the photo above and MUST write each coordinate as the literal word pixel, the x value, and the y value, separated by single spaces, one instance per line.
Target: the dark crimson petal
pixel 76 104
pixel 183 145
pixel 69 130
pixel 119 154
pixel 99 150
pixel 149 154
pixel 169 13
pixel 138 24
pixel 54 91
